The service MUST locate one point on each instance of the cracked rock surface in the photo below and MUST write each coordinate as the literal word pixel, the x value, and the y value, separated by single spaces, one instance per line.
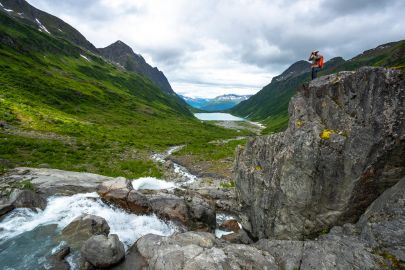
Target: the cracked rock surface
pixel 344 146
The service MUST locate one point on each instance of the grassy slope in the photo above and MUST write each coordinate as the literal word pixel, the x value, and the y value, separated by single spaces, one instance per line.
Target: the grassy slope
pixel 82 115
pixel 270 105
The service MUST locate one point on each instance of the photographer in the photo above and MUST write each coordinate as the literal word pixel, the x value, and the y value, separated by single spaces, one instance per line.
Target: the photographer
pixel 317 63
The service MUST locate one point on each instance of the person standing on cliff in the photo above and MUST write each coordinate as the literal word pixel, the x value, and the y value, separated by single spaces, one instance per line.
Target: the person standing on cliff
pixel 317 63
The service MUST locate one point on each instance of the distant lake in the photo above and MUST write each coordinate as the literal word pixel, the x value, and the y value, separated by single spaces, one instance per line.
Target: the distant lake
pixel 217 117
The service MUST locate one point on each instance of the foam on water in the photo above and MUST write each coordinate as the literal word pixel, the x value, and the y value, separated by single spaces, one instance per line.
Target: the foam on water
pixel 62 210
pixel 152 183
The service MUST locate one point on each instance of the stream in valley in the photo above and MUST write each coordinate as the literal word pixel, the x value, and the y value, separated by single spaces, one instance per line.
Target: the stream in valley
pixel 28 237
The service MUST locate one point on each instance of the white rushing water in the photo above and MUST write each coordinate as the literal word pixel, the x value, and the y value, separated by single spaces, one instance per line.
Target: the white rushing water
pixel 152 183
pixel 185 176
pixel 62 210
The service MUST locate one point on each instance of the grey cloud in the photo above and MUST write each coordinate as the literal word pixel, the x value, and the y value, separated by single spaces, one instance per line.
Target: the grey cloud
pixel 93 9
pixel 335 27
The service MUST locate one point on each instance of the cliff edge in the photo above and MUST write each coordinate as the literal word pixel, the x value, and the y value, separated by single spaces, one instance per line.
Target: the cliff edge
pixel 344 146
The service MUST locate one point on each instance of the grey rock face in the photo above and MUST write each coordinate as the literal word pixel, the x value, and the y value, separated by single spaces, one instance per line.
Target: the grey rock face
pixel 338 253
pixel 6 208
pixel 296 184
pixel 83 227
pixel 240 237
pixel 383 224
pixel 57 260
pixel 27 199
pixel 193 250
pixel 102 251
pixel 51 182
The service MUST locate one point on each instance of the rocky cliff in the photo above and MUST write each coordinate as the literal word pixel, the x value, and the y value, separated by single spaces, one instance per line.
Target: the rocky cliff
pixel 344 146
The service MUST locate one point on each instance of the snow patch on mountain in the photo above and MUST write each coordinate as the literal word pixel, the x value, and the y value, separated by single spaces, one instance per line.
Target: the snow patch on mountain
pixel 83 56
pixel 42 28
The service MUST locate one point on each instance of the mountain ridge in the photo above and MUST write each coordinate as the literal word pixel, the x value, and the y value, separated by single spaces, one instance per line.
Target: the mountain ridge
pixel 23 11
pixel 270 105
pixel 219 103
pixel 123 55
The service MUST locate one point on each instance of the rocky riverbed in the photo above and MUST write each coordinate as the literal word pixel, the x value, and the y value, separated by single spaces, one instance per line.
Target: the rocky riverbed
pixel 61 210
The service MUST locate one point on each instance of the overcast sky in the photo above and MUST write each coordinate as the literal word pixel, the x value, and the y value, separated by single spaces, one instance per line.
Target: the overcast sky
pixel 211 47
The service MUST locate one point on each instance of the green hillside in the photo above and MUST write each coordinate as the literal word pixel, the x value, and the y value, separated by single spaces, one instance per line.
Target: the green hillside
pixel 68 108
pixel 270 105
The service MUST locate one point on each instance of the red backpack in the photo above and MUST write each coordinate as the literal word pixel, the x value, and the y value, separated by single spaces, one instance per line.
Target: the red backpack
pixel 320 62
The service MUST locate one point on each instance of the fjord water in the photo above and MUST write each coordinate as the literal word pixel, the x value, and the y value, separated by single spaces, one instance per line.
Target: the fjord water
pixel 217 117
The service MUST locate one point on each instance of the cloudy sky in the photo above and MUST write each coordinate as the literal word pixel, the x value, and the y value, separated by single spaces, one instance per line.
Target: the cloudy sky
pixel 211 47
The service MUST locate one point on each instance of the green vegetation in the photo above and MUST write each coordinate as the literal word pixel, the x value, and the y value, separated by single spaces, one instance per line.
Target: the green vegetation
pixel 230 184
pixel 391 262
pixel 270 105
pixel 211 151
pixel 85 115
pixel 3 169
pixel 25 185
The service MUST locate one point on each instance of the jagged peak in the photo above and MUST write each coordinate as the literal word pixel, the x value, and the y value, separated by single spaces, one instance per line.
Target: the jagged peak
pixel 294 70
pixel 119 45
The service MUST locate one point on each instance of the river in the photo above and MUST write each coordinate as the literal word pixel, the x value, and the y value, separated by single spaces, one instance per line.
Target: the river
pixel 28 237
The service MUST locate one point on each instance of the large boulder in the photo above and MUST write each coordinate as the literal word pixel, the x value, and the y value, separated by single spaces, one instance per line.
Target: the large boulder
pixel 133 261
pixel 138 203
pixel 57 259
pixel 5 209
pixel 383 224
pixel 200 250
pixel 83 227
pixel 336 253
pixel 115 191
pixel 344 146
pixel 186 208
pixel 27 199
pixel 50 182
pixel 103 252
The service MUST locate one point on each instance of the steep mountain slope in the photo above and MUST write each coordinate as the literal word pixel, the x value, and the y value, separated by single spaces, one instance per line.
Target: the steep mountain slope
pixel 271 103
pixel 121 53
pixel 24 12
pixel 63 106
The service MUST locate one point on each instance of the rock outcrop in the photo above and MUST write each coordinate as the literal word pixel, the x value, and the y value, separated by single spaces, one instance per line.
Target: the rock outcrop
pixel 184 207
pixel 383 224
pixel 194 251
pixel 27 199
pixel 50 182
pixel 344 146
pixel 376 241
pixel 101 251
pixel 21 199
pixel 83 227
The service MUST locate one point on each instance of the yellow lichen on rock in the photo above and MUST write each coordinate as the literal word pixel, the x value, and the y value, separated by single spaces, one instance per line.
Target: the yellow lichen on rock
pixel 326 133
